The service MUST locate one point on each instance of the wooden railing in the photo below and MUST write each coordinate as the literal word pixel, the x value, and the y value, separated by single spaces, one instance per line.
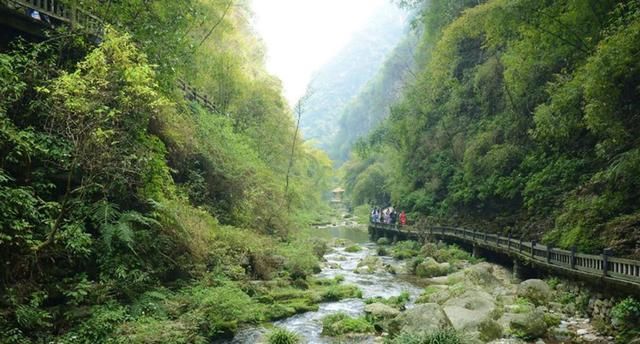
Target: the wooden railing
pixel 603 265
pixel 57 10
pixel 191 93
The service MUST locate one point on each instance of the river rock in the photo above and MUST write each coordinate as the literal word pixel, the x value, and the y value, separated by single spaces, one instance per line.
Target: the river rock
pixel 529 325
pixel 537 291
pixel 436 293
pixel 422 318
pixel 481 275
pixel 380 310
pixel 368 265
pixel 430 268
pixel 380 314
pixel 467 311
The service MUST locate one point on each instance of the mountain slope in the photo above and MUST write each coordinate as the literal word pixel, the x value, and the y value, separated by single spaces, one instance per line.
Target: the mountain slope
pixel 336 83
pixel 372 105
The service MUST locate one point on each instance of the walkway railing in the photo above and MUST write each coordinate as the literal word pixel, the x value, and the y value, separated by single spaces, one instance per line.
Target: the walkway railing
pixel 47 10
pixel 191 93
pixel 604 265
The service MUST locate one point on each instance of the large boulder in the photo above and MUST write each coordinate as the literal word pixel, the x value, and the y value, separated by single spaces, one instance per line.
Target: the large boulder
pixel 380 315
pixel 469 310
pixel 422 318
pixel 529 325
pixel 535 290
pixel 435 293
pixel 379 310
pixel 430 268
pixel 481 275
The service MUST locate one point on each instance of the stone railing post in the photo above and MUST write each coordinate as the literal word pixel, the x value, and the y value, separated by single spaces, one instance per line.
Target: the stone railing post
pixel 509 241
pixel 572 259
pixel 605 261
pixel 533 249
pixel 549 248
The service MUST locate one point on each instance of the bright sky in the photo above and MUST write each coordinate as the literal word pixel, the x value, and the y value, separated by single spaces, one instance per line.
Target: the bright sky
pixel 302 35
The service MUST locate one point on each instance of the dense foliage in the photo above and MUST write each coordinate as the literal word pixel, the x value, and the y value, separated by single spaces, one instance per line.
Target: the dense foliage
pixel 132 214
pixel 523 118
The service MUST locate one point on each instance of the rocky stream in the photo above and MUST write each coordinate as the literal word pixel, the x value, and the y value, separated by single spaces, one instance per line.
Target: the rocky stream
pixel 482 301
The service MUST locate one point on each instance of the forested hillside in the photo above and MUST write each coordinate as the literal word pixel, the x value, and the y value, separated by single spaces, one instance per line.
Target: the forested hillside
pixel 372 104
pixel 131 215
pixel 523 118
pixel 341 79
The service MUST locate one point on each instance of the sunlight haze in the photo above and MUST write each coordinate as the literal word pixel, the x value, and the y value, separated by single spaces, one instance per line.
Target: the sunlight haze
pixel 302 35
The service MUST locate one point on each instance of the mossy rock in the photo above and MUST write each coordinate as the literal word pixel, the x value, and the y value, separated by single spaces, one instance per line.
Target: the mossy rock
pixel 535 290
pixel 353 249
pixel 405 249
pixel 383 241
pixel 380 314
pixel 434 294
pixel 529 326
pixel 339 324
pixel 339 292
pixel 490 330
pixel 422 318
pixel 430 268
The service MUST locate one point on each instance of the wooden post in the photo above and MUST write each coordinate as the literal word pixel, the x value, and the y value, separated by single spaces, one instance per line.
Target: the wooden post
pixel 509 241
pixel 572 260
pixel 485 236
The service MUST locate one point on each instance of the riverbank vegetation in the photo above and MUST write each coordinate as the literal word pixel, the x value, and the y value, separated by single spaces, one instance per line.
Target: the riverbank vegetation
pixel 130 214
pixel 521 119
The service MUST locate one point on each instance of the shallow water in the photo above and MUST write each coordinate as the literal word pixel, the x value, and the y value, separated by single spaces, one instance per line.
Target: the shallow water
pixel 309 325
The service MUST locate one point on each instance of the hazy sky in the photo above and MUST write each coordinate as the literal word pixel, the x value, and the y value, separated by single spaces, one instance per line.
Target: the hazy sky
pixel 302 35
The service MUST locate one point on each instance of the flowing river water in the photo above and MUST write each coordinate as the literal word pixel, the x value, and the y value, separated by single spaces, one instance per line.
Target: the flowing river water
pixel 338 262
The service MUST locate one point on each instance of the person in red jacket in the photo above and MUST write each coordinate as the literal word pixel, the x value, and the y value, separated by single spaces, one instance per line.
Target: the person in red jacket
pixel 403 218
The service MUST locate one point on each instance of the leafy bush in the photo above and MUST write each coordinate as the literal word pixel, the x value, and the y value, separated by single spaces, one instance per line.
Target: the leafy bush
pixel 394 301
pixel 405 249
pixel 446 336
pixel 625 317
pixel 339 292
pixel 383 241
pixel 282 336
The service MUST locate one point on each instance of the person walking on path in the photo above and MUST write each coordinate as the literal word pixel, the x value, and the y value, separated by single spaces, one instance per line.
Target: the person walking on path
pixel 403 218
